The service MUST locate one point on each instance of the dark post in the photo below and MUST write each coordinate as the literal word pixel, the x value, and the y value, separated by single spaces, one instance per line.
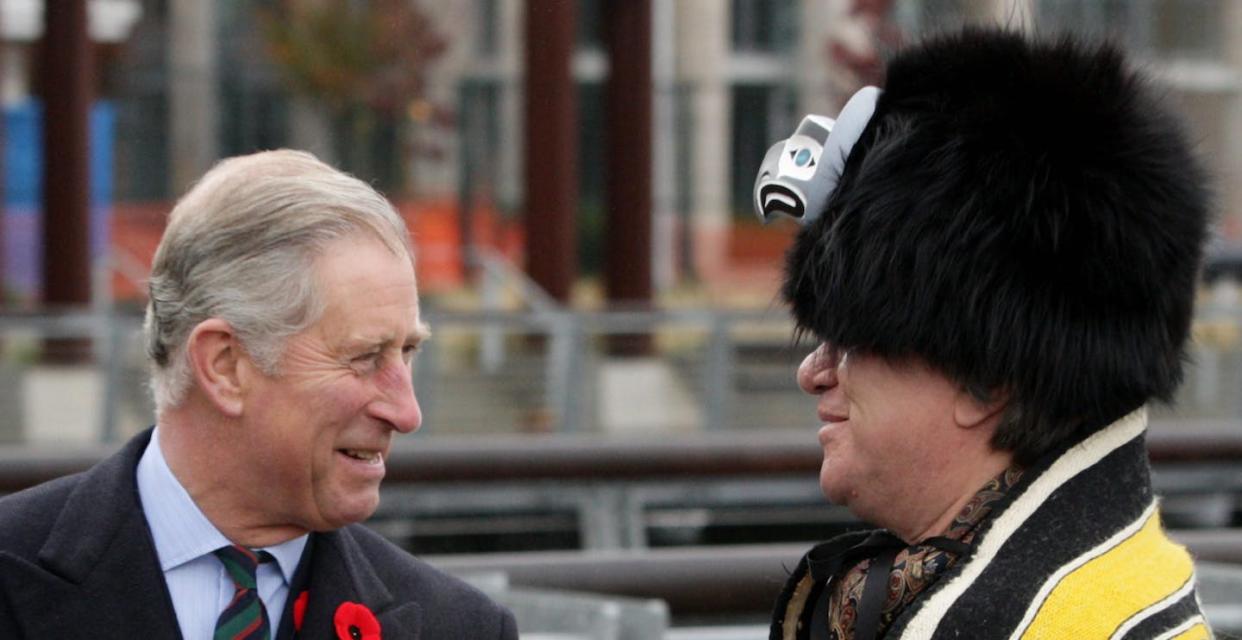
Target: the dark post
pixel 466 185
pixel 3 207
pixel 66 83
pixel 550 147
pixel 627 247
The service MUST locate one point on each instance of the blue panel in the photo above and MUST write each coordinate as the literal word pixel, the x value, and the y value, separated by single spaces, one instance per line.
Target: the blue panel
pixel 103 117
pixel 23 190
pixel 23 155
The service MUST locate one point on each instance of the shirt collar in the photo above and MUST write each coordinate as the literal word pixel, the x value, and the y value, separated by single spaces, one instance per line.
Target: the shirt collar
pixel 179 529
pixel 288 554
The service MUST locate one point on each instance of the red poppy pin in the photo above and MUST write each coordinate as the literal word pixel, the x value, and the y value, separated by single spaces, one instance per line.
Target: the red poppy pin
pixel 355 622
pixel 299 610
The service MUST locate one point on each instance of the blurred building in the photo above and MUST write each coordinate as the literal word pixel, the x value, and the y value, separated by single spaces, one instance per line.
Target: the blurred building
pixel 196 81
pixel 732 76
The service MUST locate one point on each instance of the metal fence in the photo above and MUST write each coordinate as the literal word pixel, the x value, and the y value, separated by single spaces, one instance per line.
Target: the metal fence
pixel 512 360
pixel 622 597
pixel 654 509
pixel 545 371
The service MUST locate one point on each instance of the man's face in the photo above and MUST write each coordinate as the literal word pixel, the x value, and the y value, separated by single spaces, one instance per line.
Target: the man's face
pixel 322 427
pixel 886 428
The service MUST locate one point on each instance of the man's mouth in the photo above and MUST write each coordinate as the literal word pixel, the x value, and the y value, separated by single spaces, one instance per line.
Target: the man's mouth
pixel 369 456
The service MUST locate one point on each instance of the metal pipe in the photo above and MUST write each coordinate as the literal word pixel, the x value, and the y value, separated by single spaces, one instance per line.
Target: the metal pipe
pixel 66 75
pixel 709 580
pixel 551 147
pixel 627 240
pixel 733 454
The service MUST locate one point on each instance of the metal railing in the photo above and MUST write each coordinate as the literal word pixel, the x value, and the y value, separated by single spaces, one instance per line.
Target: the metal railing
pixel 569 458
pixel 518 361
pixel 741 579
pixel 747 459
pixel 577 492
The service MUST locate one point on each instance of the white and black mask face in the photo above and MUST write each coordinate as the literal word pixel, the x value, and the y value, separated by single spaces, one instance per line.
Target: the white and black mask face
pixel 787 175
pixel 799 174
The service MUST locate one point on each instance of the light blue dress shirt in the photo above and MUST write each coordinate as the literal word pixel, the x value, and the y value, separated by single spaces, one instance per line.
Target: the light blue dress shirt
pixel 184 541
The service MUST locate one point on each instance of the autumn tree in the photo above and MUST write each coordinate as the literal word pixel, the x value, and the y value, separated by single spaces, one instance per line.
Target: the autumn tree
pixel 366 63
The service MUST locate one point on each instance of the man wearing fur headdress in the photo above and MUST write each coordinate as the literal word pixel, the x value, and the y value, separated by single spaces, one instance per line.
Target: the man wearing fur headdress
pixel 999 259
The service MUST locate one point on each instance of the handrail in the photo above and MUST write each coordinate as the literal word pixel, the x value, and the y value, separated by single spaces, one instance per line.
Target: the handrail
pixel 496 266
pixel 735 579
pixel 70 321
pixel 506 458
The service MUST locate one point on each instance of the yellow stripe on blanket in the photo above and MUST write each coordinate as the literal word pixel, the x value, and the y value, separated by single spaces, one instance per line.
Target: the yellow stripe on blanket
pixel 1197 632
pixel 1093 600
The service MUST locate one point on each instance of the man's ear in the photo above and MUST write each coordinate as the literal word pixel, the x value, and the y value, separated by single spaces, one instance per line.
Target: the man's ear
pixel 970 411
pixel 215 357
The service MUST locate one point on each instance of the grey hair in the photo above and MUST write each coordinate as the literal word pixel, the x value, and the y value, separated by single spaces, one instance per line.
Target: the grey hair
pixel 240 246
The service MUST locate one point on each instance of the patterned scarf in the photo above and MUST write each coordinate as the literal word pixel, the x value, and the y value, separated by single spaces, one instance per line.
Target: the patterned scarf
pixel 915 568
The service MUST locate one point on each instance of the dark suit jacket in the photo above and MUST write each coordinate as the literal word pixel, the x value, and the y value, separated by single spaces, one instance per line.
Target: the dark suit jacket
pixel 77 561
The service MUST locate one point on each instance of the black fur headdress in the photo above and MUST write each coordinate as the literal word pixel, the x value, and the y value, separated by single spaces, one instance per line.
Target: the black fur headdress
pixel 1024 216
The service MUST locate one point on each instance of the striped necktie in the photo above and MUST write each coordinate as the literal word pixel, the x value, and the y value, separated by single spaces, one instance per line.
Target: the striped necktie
pixel 245 618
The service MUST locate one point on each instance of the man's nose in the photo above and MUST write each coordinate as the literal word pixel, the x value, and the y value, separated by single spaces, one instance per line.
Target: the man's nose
pixel 818 371
pixel 397 404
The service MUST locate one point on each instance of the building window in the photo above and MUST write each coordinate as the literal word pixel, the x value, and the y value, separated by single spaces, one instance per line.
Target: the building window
pixel 142 166
pixel 1184 29
pixel 761 115
pixel 915 17
pixel 487 43
pixel 1124 21
pixel 479 112
pixel 592 175
pixel 591 24
pixel 766 26
pixel 253 103
pixel 1192 29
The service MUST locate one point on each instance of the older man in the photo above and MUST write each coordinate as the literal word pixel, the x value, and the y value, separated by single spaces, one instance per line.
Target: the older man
pixel 282 319
pixel 999 258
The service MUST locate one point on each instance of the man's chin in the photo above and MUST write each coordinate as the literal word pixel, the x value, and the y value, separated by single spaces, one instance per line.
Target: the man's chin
pixel 833 489
pixel 348 511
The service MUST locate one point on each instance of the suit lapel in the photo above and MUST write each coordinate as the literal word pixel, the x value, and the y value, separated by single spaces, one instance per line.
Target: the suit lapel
pixel 341 572
pixel 97 574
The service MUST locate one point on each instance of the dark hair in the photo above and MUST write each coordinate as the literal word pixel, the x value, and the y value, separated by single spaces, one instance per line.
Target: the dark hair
pixel 1023 216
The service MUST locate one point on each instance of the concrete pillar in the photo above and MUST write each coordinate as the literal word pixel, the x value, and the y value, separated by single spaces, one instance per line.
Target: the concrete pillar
pixel 508 181
pixel 1012 14
pixel 812 73
pixel 310 129
pixel 436 175
pixel 193 105
pixel 15 86
pixel 703 50
pixel 664 145
pixel 1230 189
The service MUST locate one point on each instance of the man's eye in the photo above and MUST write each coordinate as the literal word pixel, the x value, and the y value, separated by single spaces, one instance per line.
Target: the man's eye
pixel 408 352
pixel 367 362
